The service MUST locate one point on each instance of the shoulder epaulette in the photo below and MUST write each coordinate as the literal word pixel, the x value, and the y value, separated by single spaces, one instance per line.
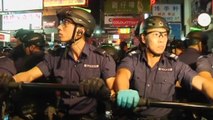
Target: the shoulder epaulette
pixel 172 56
pixel 2 57
pixel 133 52
pixel 202 56
pixel 100 51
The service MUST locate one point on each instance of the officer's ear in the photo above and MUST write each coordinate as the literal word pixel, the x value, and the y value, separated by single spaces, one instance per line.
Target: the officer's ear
pixel 80 31
pixel 142 38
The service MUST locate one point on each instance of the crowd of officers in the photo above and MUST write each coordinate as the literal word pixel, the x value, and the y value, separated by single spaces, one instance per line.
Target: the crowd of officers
pixel 110 83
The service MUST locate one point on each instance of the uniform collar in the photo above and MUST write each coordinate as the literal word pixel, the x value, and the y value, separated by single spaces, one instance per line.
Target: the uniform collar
pixel 85 52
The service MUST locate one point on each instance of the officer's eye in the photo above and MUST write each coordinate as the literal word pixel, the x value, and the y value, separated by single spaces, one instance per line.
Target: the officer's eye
pixel 65 22
pixel 158 34
pixel 165 34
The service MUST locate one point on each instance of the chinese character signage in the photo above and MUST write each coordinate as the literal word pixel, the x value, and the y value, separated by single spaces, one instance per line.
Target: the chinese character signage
pixel 22 20
pixel 20 5
pixel 126 6
pixel 171 12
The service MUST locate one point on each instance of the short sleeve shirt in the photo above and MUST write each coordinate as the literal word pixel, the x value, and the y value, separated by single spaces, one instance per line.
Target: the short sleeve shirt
pixel 91 64
pixel 157 83
pixel 205 63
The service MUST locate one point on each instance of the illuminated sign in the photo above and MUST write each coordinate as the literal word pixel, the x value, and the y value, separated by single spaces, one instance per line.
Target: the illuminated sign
pixel 124 30
pixel 126 6
pixel 124 22
pixel 0 5
pixel 20 5
pixel 171 12
pixel 52 3
pixel 4 37
pixel 24 20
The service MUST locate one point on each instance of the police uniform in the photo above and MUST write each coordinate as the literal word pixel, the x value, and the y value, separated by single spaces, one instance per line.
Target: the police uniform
pixel 92 63
pixel 7 66
pixel 190 56
pixel 156 83
pixel 205 63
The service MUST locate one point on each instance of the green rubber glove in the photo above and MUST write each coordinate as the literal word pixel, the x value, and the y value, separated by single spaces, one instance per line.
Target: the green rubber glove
pixel 128 98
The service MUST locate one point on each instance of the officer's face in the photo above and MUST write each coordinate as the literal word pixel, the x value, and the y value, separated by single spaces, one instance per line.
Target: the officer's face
pixel 156 40
pixel 65 30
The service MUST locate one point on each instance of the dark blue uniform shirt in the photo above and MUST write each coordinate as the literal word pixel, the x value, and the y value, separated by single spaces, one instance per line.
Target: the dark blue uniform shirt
pixel 190 56
pixel 92 63
pixel 7 66
pixel 205 63
pixel 158 82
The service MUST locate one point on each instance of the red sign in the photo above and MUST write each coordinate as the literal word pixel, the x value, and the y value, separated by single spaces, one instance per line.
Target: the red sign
pixel 2 37
pixel 124 22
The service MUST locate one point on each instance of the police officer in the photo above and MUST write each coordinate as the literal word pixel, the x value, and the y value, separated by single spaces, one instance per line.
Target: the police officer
pixel 205 69
pixel 79 63
pixel 18 52
pixel 34 47
pixel 152 73
pixel 196 43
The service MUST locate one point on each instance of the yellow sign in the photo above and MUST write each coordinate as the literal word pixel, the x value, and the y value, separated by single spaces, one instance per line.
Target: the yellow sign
pixel 124 30
pixel 54 3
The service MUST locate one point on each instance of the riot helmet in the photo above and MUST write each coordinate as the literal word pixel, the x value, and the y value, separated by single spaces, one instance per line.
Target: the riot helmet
pixel 79 17
pixel 20 33
pixel 194 37
pixel 138 29
pixel 155 22
pixel 197 37
pixel 36 39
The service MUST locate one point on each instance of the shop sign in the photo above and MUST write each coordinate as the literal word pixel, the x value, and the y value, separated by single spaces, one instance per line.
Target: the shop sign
pixel 2 37
pixel 23 20
pixel 126 6
pixel 108 19
pixel 124 22
pixel 50 21
pixel 51 3
pixel 171 12
pixel 22 5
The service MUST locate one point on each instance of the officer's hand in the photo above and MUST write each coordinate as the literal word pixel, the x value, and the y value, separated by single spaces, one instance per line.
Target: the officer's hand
pixel 5 79
pixel 94 87
pixel 127 98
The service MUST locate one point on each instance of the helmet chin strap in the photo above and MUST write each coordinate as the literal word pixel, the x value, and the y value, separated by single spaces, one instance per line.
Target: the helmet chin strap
pixel 71 41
